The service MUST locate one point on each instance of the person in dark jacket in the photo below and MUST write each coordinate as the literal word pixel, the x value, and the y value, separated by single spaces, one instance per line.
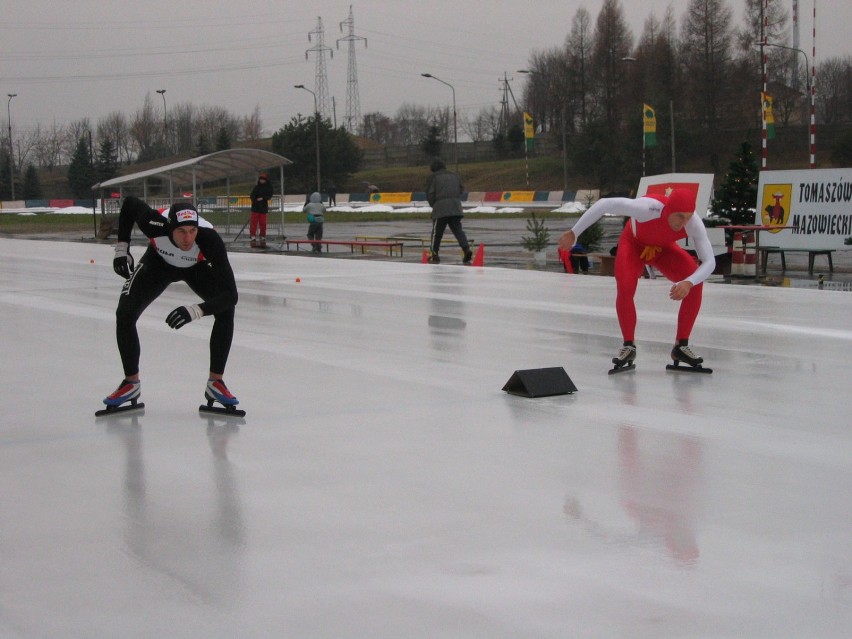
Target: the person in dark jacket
pixel 443 192
pixel 183 247
pixel 260 196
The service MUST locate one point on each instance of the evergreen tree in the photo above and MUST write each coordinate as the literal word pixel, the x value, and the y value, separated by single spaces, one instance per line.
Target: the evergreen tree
pixel 737 197
pixel 202 146
pixel 516 140
pixel 432 143
pixel 223 139
pixel 32 185
pixel 106 165
pixel 5 184
pixel 340 157
pixel 81 171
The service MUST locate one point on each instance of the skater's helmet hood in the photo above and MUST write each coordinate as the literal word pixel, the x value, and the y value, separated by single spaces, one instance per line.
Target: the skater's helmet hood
pixel 182 214
pixel 437 165
pixel 679 201
pixel 316 198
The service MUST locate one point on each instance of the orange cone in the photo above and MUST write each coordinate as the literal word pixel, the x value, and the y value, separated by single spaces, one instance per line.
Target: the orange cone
pixel 425 258
pixel 479 258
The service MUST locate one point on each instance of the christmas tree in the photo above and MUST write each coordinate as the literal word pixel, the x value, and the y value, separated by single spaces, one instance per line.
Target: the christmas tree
pixel 737 197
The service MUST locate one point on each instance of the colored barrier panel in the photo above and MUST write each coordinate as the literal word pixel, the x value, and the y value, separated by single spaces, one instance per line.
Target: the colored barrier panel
pixel 568 196
pixel 518 196
pixel 420 196
pixel 493 196
pixel 543 196
pixel 61 204
pixel 390 198
pixel 473 196
pixel 359 197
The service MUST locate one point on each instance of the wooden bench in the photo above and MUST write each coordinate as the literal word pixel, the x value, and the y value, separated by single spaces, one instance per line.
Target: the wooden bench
pixel 765 251
pixel 390 246
pixel 606 260
pixel 422 241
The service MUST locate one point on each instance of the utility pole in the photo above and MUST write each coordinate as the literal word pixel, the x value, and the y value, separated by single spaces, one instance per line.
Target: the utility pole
pixel 352 118
pixel 321 78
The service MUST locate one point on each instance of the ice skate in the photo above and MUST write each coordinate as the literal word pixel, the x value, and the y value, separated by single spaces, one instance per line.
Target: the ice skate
pixel 468 256
pixel 262 243
pixel 434 259
pixel 624 361
pixel 217 392
pixel 682 354
pixel 123 398
pixel 253 243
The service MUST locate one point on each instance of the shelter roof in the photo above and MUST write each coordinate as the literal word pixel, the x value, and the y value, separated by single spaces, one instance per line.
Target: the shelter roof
pixel 205 168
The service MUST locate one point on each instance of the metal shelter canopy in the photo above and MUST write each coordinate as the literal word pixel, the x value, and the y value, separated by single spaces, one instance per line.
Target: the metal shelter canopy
pixel 205 168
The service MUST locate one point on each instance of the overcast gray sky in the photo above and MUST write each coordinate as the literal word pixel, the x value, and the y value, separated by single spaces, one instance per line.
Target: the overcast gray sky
pixel 86 58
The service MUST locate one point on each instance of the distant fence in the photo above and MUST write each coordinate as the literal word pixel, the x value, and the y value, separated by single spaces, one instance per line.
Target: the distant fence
pixel 397 198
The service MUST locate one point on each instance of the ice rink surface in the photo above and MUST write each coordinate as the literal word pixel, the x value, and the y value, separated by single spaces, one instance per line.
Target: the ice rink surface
pixel 383 485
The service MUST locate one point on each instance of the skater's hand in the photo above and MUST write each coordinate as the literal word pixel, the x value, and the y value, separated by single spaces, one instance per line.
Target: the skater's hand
pixel 567 241
pixel 680 290
pixel 184 315
pixel 122 263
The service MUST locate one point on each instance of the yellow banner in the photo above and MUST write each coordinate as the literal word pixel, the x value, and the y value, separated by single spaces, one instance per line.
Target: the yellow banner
pixel 529 128
pixel 649 119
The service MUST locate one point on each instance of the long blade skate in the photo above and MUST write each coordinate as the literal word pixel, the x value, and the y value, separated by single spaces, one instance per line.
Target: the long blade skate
pixel 687 368
pixel 229 410
pixel 124 408
pixel 622 368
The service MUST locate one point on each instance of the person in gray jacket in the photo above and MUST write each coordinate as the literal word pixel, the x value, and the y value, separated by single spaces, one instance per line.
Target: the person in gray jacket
pixel 316 218
pixel 443 191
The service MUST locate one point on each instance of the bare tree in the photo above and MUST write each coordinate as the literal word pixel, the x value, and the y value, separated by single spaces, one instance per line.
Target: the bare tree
pixel 834 98
pixel 378 127
pixel 578 49
pixel 146 129
pixel 49 147
pixel 115 128
pixel 483 126
pixel 253 125
pixel 707 36
pixel 412 124
pixel 612 43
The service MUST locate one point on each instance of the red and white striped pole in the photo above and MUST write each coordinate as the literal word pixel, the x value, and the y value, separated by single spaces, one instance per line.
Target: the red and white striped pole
pixel 813 96
pixel 763 62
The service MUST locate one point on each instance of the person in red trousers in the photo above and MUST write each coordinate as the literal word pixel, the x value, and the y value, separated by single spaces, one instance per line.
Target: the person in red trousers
pixel 655 224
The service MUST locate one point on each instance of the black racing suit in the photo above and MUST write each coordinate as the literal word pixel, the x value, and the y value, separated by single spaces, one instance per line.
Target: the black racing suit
pixel 205 268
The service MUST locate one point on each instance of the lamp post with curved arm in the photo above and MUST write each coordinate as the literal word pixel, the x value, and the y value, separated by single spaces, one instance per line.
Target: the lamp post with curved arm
pixel 811 92
pixel 11 148
pixel 455 124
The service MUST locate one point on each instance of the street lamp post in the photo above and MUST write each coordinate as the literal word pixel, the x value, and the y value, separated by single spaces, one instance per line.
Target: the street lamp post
pixel 11 148
pixel 316 127
pixel 162 93
pixel 455 123
pixel 811 93
pixel 562 125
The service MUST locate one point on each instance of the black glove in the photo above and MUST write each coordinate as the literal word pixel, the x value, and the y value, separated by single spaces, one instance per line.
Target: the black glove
pixel 183 315
pixel 122 263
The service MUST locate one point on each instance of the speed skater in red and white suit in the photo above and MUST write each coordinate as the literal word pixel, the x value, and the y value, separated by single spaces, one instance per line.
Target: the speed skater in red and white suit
pixel 655 224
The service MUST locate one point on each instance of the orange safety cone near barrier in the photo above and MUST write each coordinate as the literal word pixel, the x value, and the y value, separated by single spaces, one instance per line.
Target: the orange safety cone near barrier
pixel 738 256
pixel 479 258
pixel 565 258
pixel 425 258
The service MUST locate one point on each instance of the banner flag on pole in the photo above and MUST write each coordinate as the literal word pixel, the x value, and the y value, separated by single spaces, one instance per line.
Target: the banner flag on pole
pixel 529 131
pixel 649 119
pixel 768 116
